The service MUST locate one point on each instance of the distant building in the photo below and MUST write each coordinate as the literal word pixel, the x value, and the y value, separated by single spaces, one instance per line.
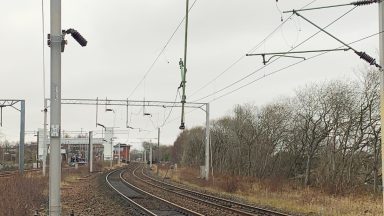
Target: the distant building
pixel 124 152
pixel 75 147
pixel 78 146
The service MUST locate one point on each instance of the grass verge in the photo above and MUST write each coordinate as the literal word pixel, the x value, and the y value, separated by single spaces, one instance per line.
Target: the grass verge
pixel 279 195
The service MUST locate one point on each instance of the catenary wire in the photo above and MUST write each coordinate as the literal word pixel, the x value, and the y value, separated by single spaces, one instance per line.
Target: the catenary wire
pixel 289 66
pixel 161 52
pixel 264 66
pixel 251 50
pixel 274 72
pixel 227 69
pixel 237 61
pixel 170 112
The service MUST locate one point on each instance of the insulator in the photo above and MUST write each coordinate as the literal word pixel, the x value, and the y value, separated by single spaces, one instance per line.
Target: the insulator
pixel 78 37
pixel 366 58
pixel 181 63
pixel 364 2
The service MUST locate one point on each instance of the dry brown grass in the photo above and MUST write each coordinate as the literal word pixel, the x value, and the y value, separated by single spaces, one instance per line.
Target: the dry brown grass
pixel 281 195
pixel 21 195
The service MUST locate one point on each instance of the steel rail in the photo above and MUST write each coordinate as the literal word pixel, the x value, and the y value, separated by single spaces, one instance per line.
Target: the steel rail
pixel 204 201
pixel 244 207
pixel 177 207
pixel 125 197
pixel 159 198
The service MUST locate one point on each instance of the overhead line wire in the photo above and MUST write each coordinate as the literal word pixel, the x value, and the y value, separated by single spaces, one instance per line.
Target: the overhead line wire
pixel 161 52
pixel 169 114
pixel 251 50
pixel 291 65
pixel 279 70
pixel 264 66
pixel 238 60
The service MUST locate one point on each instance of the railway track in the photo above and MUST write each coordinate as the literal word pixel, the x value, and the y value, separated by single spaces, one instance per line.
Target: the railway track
pixel 142 202
pixel 217 200
pixel 205 204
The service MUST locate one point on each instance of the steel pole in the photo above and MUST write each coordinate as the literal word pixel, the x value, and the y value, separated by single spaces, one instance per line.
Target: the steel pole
pixel 119 154
pixel 129 154
pixel 22 136
pixel 145 156
pixel 90 152
pixel 158 151
pixel 150 154
pixel 381 48
pixel 111 162
pixel 37 149
pixel 207 134
pixel 45 138
pixel 184 98
pixel 55 107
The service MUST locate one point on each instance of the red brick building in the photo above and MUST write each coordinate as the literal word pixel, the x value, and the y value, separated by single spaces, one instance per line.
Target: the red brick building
pixel 124 152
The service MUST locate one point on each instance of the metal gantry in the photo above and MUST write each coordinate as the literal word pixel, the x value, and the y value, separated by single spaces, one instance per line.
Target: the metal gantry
pixel 139 103
pixel 12 103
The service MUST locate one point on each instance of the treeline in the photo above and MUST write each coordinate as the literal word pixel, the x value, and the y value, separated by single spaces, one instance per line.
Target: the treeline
pixel 326 135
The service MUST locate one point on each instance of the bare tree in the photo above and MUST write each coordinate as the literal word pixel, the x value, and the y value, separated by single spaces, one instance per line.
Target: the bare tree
pixel 327 135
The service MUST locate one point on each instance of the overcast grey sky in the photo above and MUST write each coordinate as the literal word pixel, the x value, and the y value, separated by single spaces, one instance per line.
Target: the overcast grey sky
pixel 125 36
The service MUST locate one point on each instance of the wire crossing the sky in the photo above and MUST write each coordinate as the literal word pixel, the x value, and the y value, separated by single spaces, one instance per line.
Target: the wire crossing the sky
pixel 264 66
pixel 161 52
pixel 250 51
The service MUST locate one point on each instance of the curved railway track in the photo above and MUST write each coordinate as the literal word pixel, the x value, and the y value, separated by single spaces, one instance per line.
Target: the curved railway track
pixel 217 206
pixel 226 203
pixel 142 202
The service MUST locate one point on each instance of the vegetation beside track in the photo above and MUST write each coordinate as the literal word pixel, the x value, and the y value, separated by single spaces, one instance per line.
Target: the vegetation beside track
pixel 22 195
pixel 278 195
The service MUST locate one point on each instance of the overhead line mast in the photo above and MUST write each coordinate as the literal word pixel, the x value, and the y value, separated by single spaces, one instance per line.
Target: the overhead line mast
pixel 183 66
pixel 381 62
